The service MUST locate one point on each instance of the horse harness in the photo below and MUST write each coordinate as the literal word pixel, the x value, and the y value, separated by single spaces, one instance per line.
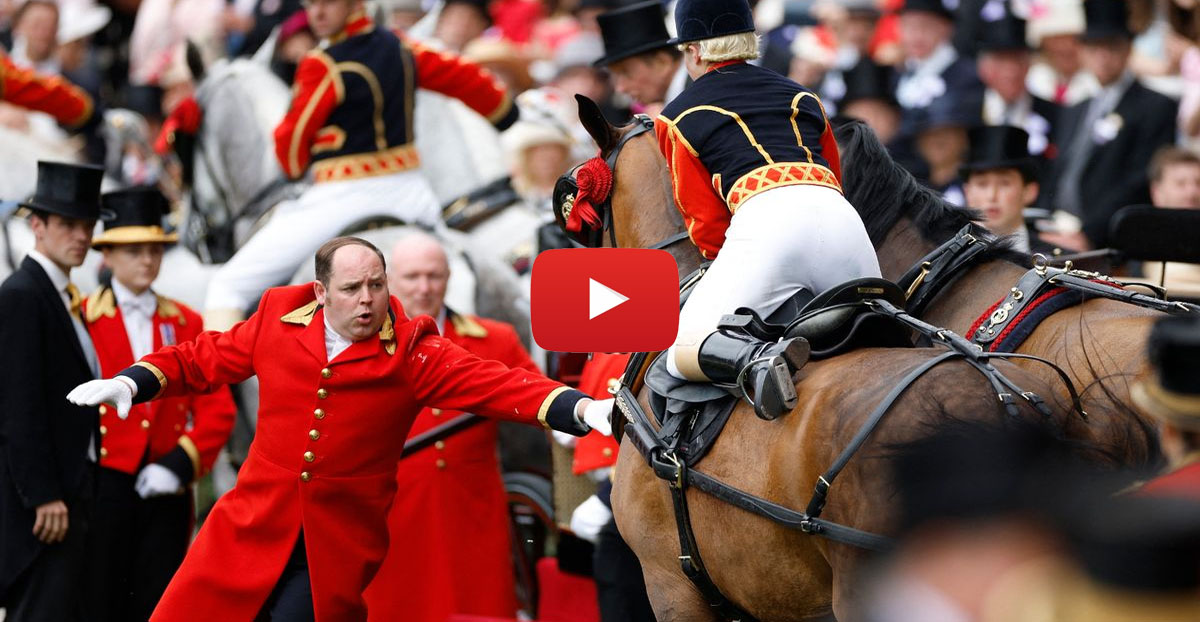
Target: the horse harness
pixel 1039 293
pixel 660 446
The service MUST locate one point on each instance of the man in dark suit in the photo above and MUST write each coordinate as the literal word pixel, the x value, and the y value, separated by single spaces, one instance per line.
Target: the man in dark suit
pixel 1003 62
pixel 48 447
pixel 1107 141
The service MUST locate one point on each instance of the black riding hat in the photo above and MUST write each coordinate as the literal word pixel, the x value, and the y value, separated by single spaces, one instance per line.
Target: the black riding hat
pixel 137 218
pixel 937 7
pixel 71 190
pixel 1106 19
pixel 632 30
pixel 696 20
pixel 998 147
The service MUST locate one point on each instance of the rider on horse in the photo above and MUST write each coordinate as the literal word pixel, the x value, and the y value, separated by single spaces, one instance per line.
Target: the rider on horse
pixel 351 121
pixel 756 176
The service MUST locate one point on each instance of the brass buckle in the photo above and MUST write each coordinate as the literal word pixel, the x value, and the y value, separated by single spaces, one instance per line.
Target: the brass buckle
pixel 912 289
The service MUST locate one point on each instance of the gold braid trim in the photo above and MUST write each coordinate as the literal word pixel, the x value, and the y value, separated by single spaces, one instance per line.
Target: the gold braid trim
pixel 545 409
pixel 162 378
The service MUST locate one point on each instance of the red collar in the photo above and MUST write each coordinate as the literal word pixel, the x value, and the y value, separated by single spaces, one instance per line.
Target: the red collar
pixel 722 65
pixel 358 24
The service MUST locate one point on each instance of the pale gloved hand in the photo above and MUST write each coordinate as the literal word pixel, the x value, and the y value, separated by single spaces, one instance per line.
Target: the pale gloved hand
pixel 596 415
pixel 116 391
pixel 156 480
pixel 589 518
pixel 564 439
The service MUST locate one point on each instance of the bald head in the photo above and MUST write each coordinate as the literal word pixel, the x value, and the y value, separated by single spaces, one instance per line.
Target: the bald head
pixel 419 274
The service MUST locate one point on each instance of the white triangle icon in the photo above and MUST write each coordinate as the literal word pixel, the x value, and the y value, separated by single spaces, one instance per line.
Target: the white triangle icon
pixel 602 299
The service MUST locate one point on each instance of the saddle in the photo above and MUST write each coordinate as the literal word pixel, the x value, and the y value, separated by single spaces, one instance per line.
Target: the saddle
pixel 836 321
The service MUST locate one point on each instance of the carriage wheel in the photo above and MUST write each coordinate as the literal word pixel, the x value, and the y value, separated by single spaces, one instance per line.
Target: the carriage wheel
pixel 531 514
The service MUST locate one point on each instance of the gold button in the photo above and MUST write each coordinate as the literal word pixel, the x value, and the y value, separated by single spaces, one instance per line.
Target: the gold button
pixel 181 407
pixel 178 427
pixel 441 464
pixel 305 476
pixel 145 424
pixel 437 412
pixel 319 413
pixel 314 435
pixel 440 445
pixel 309 456
pixel 325 373
pixel 103 409
pixel 607 451
pixel 103 430
pixel 322 394
pixel 103 452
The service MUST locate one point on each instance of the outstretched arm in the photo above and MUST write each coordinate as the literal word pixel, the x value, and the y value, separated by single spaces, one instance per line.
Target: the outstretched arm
pixel 467 82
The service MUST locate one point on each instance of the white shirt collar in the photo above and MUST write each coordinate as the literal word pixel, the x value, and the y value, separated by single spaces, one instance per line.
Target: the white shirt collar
pixel 939 61
pixel 335 344
pixel 145 303
pixel 1020 240
pixel 57 276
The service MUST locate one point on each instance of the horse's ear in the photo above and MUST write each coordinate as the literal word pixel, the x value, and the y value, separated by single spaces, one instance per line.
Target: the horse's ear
pixel 594 122
pixel 195 62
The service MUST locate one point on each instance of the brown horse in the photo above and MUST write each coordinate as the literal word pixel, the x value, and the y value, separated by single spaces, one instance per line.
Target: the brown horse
pixel 771 572
pixel 1100 343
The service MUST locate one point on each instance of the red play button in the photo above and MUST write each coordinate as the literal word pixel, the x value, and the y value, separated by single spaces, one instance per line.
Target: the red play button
pixel 605 300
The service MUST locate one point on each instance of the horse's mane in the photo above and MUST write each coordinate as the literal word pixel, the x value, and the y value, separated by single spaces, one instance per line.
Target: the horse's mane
pixel 883 192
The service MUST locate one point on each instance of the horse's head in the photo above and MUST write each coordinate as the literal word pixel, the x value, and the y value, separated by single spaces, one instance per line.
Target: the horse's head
pixel 623 196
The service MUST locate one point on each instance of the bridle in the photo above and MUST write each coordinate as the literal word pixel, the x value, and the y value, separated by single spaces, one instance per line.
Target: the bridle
pixel 567 189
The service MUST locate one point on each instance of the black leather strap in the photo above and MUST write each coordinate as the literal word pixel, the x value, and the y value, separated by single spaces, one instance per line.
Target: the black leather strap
pixel 924 281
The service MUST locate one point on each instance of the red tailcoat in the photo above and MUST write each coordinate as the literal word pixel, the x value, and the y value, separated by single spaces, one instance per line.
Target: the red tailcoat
pixel 597 451
pixel 67 103
pixel 1183 483
pixel 186 430
pixel 450 539
pixel 325 451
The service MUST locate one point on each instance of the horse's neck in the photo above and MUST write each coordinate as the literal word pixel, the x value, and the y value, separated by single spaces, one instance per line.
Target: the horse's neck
pixel 957 307
pixel 656 220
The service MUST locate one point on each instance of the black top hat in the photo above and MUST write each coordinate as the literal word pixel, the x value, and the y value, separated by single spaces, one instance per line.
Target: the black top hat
pixel 996 147
pixel 71 190
pixel 1004 34
pixel 1173 390
pixel 632 30
pixel 868 80
pixel 949 110
pixel 1106 19
pixel 937 7
pixel 482 6
pixel 696 20
pixel 137 217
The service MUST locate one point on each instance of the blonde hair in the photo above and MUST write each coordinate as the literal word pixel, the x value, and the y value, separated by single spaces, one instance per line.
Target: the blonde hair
pixel 741 46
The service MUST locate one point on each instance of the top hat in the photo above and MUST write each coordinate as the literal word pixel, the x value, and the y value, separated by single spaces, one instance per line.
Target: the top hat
pixel 136 218
pixel 1006 33
pixel 696 20
pixel 1106 19
pixel 632 30
pixel 868 80
pixel 997 147
pixel 71 190
pixel 949 110
pixel 482 6
pixel 862 8
pixel 1172 392
pixel 937 7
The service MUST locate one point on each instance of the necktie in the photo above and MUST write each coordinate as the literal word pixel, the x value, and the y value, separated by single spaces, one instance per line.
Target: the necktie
pixel 76 300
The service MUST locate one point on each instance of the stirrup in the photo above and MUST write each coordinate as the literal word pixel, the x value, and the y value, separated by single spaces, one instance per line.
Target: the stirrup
pixel 774 392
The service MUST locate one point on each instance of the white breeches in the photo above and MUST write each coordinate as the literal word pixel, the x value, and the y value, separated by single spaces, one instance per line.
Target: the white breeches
pixel 778 242
pixel 298 228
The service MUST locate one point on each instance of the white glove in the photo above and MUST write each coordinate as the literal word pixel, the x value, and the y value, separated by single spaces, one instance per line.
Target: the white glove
pixel 597 414
pixel 116 391
pixel 564 439
pixel 156 480
pixel 589 518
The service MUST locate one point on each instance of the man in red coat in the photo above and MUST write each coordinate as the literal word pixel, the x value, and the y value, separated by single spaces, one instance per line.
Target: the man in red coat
pixel 143 517
pixel 1171 394
pixel 67 103
pixel 343 373
pixel 450 517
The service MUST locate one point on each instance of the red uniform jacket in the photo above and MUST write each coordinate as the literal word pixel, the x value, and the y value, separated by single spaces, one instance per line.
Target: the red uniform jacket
pixel 352 104
pixel 1183 482
pixel 185 433
pixel 597 451
pixel 737 131
pixel 450 543
pixel 67 103
pixel 325 451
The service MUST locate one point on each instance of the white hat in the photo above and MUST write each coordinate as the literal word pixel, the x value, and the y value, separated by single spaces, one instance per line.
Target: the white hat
pixel 545 114
pixel 1048 18
pixel 80 18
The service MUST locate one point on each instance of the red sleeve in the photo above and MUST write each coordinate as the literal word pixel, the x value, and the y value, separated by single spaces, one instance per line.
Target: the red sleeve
pixel 67 103
pixel 317 91
pixel 829 150
pixel 444 375
pixel 704 211
pixel 515 355
pixel 467 82
pixel 213 416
